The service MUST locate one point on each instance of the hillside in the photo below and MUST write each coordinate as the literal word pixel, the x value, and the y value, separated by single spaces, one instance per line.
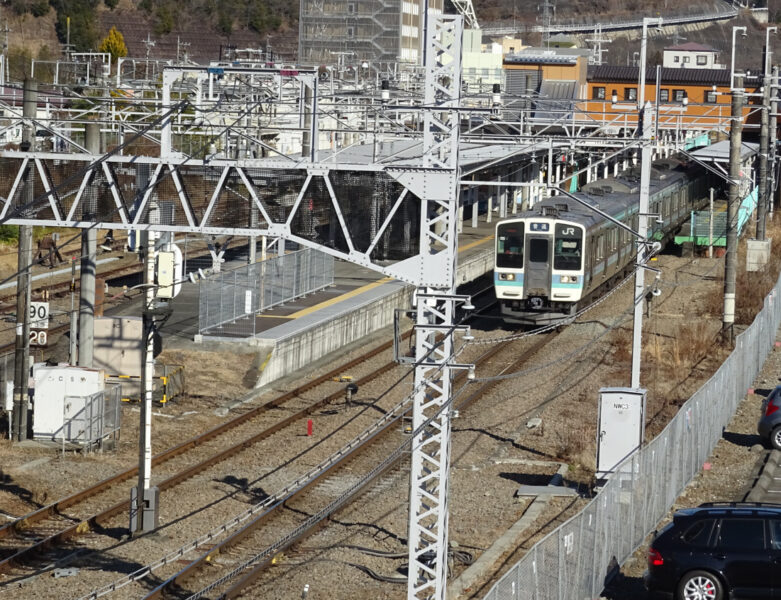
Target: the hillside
pixel 496 12
pixel 39 27
pixel 201 28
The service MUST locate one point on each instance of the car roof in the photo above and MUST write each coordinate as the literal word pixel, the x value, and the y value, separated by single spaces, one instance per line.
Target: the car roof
pixel 739 509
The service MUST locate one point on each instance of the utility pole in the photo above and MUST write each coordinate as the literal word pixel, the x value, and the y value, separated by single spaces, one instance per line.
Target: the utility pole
pixel 149 45
pixel 5 75
pixel 772 144
pixel 89 257
pixel 733 201
pixel 764 134
pixel 24 279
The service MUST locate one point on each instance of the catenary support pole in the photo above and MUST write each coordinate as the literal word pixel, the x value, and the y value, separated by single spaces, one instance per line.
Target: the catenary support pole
pixel 24 279
pixel 143 511
pixel 435 314
pixel 733 202
pixel 642 247
pixel 89 257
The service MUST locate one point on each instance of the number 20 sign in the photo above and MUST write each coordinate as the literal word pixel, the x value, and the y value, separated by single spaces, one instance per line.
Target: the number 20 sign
pixel 39 337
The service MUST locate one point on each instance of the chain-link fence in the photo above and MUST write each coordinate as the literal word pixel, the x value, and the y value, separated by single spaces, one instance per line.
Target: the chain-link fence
pixel 229 301
pixel 574 560
pixel 96 419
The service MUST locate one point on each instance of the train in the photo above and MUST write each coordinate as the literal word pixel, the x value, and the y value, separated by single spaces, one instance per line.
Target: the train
pixel 559 256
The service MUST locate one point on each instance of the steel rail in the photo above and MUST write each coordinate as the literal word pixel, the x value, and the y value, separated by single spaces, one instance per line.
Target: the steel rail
pixel 84 526
pixel 176 581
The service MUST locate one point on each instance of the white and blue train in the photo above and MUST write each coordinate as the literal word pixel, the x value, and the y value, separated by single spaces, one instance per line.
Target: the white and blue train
pixel 558 257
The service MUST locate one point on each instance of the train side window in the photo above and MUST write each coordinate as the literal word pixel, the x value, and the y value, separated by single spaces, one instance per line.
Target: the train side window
pixel 601 248
pixel 568 248
pixel 509 246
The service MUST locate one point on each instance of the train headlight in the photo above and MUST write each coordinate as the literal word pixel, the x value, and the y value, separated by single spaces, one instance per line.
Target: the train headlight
pixel 569 279
pixel 507 276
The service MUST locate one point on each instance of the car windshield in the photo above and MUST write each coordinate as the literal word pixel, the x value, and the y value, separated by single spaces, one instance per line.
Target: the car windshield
pixel 568 248
pixel 509 246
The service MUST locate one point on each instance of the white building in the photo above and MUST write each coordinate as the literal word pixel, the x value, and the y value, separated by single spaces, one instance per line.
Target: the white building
pixel 379 32
pixel 691 56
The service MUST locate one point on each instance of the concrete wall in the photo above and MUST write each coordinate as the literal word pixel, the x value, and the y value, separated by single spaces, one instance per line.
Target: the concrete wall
pixel 302 348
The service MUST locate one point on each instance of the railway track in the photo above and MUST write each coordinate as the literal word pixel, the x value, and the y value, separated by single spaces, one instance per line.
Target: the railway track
pixel 239 551
pixel 29 538
pixel 58 522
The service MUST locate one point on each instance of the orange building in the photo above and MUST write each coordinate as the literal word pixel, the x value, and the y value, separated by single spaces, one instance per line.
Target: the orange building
pixel 687 98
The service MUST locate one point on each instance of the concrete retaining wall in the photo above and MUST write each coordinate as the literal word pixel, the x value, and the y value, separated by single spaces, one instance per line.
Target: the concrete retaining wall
pixel 306 346
pixel 303 347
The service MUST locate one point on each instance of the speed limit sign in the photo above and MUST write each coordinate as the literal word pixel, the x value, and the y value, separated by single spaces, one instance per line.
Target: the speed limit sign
pixel 39 315
pixel 39 337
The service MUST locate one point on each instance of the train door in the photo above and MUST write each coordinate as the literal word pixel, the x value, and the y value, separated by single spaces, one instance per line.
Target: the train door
pixel 537 275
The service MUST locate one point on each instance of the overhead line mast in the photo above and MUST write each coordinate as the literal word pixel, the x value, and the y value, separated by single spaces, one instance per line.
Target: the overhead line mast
pixel 467 10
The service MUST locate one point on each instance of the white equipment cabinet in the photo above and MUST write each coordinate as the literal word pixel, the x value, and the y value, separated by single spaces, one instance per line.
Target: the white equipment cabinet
pixel 621 427
pixel 53 385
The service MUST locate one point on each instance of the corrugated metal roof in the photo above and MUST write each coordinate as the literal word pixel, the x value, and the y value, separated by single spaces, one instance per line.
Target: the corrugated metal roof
pixel 619 74
pixel 556 101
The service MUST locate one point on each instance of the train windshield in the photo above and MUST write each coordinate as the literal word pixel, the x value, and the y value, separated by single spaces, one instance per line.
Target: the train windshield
pixel 509 246
pixel 568 251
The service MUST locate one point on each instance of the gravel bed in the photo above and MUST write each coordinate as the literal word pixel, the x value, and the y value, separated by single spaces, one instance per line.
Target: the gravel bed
pixel 493 449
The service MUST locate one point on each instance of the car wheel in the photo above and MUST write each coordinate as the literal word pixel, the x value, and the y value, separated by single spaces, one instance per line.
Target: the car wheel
pixel 700 585
pixel 775 437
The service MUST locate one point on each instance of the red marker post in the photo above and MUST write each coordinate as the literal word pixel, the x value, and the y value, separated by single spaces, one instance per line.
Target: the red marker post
pixel 309 427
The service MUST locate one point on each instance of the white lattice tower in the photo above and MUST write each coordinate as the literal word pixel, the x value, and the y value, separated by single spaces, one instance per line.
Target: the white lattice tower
pixel 467 10
pixel 438 182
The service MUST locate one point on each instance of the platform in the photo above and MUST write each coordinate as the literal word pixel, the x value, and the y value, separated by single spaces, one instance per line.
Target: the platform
pixel 697 229
pixel 301 331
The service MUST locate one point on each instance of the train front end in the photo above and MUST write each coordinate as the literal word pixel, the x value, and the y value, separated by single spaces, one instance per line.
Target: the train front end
pixel 538 269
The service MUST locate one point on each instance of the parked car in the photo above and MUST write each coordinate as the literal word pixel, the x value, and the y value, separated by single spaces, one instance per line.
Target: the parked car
pixel 718 551
pixel 770 424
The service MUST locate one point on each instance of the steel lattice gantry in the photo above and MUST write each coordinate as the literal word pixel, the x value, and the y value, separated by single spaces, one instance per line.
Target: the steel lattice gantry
pixel 412 206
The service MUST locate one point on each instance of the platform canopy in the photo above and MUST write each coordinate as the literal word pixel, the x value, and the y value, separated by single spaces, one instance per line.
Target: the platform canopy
pixel 719 152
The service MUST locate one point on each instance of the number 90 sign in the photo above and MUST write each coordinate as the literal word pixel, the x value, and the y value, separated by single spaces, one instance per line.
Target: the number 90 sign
pixel 39 315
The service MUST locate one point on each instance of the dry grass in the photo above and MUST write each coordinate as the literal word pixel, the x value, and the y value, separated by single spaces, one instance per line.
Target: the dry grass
pixel 750 288
pixel 621 341
pixel 670 355
pixel 574 443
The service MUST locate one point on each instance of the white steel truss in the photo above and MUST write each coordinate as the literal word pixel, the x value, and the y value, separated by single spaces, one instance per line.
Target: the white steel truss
pixel 466 8
pixel 435 312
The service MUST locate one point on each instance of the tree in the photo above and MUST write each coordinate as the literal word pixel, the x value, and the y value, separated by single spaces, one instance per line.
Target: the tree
pixel 114 44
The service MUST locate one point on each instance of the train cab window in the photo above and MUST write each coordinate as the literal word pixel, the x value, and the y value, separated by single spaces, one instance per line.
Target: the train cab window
pixel 509 246
pixel 568 248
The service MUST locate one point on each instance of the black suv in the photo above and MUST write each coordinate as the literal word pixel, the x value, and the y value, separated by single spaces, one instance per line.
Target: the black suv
pixel 769 426
pixel 718 551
